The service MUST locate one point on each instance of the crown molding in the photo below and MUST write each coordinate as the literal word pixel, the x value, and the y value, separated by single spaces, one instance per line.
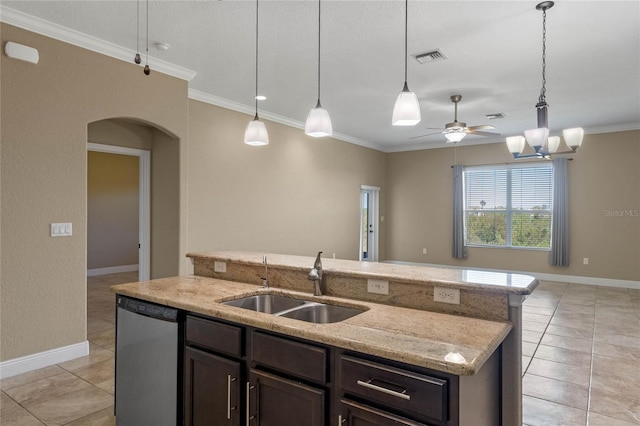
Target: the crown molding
pixel 612 129
pixel 250 110
pixel 76 38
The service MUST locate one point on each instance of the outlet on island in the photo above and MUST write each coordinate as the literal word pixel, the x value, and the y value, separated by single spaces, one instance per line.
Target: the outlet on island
pixel 378 286
pixel 446 295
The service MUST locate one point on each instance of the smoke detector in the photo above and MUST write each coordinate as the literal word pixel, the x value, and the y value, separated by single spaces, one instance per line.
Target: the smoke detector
pixel 161 46
pixel 429 56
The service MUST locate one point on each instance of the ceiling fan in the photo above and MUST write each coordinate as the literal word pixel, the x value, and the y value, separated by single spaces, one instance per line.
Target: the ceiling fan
pixel 456 131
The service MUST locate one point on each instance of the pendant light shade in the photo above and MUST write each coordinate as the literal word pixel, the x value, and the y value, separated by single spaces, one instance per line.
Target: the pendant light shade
pixel 553 143
pixel 515 144
pixel 256 133
pixel 406 111
pixel 536 138
pixel 318 122
pixel 573 137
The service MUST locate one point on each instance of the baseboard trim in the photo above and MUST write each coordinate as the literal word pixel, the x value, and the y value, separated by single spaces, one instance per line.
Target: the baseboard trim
pixel 38 360
pixel 111 270
pixel 573 279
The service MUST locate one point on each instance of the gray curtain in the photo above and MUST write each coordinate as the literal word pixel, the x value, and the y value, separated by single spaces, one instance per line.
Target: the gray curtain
pixel 559 255
pixel 459 248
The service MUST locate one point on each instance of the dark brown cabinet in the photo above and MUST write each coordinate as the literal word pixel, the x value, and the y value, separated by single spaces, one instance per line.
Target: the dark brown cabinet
pixel 354 414
pixel 212 389
pixel 276 401
pixel 240 375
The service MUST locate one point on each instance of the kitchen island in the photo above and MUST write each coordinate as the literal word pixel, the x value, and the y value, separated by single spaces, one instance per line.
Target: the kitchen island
pixel 404 326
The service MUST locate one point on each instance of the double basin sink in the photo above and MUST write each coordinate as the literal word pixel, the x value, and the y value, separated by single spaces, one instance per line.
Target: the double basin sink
pixel 288 307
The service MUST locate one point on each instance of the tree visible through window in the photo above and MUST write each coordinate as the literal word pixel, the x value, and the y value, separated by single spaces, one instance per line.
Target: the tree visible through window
pixel 509 205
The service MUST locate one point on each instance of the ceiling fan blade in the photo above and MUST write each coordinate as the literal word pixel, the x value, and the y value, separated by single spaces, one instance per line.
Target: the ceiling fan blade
pixel 479 133
pixel 481 127
pixel 424 136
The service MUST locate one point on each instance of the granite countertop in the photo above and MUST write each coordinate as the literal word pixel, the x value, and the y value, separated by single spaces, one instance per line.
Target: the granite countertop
pixel 487 281
pixel 448 343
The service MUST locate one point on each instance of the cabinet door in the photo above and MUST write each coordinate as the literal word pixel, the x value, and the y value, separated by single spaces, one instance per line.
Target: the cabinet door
pixel 274 401
pixel 354 414
pixel 212 389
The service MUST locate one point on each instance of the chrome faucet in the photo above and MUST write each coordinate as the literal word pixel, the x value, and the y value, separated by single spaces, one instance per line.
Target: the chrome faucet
pixel 265 279
pixel 316 276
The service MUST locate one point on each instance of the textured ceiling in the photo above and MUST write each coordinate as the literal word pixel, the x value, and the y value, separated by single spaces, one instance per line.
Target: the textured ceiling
pixel 493 52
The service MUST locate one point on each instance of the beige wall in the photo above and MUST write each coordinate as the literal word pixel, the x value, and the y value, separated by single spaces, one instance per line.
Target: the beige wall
pixel 297 195
pixel 112 210
pixel 45 110
pixel 604 176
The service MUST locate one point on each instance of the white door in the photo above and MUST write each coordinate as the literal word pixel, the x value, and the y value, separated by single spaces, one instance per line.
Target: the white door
pixel 144 237
pixel 369 223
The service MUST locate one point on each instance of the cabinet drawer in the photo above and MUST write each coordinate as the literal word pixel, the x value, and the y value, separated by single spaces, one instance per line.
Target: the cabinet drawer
pixel 213 335
pixel 352 413
pixel 299 359
pixel 419 395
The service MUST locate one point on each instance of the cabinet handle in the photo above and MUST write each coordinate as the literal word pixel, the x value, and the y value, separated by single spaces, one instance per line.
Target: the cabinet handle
pixel 249 387
pixel 370 385
pixel 341 420
pixel 229 408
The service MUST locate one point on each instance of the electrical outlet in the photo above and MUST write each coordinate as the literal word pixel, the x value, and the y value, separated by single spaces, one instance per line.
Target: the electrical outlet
pixel 585 261
pixel 446 295
pixel 424 251
pixel 220 266
pixel 378 286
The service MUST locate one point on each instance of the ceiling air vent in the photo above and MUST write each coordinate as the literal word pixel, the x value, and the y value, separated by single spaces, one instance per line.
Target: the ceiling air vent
pixel 430 56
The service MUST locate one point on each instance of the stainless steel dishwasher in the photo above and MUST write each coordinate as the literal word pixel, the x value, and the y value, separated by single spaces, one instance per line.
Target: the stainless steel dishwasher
pixel 148 378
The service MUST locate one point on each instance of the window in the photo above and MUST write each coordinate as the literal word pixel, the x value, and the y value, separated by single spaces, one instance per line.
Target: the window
pixel 509 205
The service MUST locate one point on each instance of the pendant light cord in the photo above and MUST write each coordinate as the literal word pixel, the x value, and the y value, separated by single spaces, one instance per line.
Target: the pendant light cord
pixel 543 90
pixel 406 20
pixel 256 97
pixel 147 32
pixel 138 26
pixel 319 52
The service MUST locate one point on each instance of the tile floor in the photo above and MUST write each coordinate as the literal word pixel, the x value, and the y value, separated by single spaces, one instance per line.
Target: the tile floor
pixel 581 347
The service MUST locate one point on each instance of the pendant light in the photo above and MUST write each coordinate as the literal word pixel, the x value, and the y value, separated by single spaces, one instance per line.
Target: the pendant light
pixel 538 138
pixel 318 122
pixel 147 70
pixel 256 133
pixel 137 58
pixel 406 111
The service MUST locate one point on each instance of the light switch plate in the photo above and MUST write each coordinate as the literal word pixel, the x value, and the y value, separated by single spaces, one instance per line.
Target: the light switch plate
pixel 378 286
pixel 220 266
pixel 61 229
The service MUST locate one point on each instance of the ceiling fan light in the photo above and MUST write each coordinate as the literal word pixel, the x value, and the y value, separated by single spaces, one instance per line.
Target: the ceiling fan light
pixel 536 138
pixel 406 111
pixel 515 144
pixel 256 133
pixel 455 137
pixel 318 122
pixel 573 137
